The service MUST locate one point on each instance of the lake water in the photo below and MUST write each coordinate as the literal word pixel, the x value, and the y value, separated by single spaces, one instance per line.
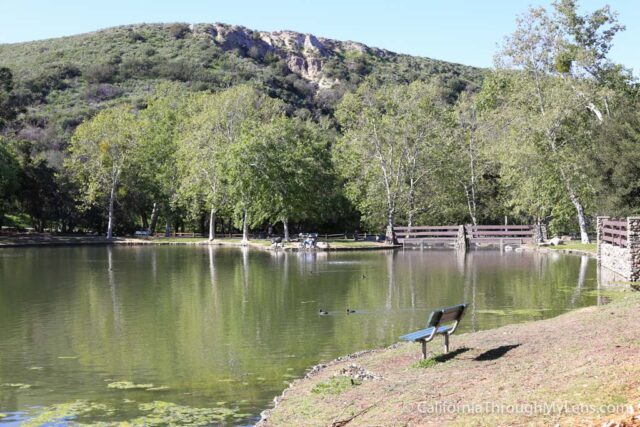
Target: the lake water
pixel 228 328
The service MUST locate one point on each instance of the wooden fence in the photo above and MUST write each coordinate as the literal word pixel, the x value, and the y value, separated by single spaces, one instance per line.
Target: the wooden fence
pixel 430 234
pixel 500 233
pixel 463 235
pixel 614 231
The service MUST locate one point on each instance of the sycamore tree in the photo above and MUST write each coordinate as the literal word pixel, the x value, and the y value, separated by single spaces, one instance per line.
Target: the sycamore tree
pixel 548 89
pixel 155 181
pixel 386 151
pixel 215 153
pixel 100 154
pixel 470 155
pixel 201 158
pixel 290 158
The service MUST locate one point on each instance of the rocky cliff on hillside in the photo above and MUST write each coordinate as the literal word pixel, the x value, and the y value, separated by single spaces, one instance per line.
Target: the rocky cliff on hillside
pixel 305 54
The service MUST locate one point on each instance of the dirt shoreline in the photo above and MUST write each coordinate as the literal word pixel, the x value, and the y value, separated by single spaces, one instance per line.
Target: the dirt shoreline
pixel 570 366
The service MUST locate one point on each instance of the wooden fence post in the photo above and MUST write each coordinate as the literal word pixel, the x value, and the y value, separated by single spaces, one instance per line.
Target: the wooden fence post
pixel 461 240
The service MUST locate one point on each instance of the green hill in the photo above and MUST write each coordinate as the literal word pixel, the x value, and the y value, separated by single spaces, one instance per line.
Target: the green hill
pixel 57 83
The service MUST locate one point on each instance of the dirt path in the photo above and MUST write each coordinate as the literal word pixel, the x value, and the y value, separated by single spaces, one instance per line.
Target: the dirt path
pixel 556 371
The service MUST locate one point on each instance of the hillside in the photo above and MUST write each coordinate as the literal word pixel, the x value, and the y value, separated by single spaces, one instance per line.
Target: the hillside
pixel 57 83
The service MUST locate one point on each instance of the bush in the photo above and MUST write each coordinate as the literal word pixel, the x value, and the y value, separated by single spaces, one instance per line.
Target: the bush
pixel 134 67
pixel 102 92
pixel 179 31
pixel 135 36
pixel 100 73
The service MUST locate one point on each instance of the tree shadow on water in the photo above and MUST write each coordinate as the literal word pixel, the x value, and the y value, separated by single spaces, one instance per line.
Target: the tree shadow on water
pixel 495 353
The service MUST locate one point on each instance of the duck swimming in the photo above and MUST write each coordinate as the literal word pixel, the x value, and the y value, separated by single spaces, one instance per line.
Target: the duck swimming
pixel 322 312
pixel 349 311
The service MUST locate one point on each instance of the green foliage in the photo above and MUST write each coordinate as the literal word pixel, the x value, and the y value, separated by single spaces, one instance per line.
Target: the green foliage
pixel 391 150
pixel 8 178
pixel 172 122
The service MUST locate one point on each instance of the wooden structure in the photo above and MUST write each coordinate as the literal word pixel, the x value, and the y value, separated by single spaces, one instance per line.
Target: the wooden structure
pixel 614 232
pixel 502 234
pixel 427 234
pixel 441 322
pixel 461 236
pixel 618 247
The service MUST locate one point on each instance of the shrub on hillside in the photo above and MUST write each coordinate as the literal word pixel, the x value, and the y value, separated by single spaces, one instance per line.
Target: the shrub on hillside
pixel 100 72
pixel 179 31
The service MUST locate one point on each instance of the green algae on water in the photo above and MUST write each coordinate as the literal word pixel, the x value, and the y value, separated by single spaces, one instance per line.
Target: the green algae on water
pixel 20 386
pixel 128 385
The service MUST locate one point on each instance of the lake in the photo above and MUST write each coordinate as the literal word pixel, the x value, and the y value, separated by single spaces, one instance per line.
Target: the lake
pixel 101 333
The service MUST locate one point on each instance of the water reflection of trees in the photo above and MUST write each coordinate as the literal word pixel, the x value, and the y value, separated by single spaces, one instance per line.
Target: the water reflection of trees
pixel 189 317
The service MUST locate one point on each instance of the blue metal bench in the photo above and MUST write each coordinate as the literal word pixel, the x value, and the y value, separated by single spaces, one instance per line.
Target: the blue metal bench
pixel 443 321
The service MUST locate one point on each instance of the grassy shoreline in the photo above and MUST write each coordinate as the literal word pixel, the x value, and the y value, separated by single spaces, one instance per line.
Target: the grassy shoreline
pixel 263 244
pixel 570 360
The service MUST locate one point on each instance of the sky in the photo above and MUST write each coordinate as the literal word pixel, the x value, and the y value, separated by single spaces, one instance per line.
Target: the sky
pixel 459 31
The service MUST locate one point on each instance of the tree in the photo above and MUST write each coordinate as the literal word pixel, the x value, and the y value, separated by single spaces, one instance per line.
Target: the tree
pixel 8 177
pixel 291 159
pixel 545 97
pixel 155 181
pixel 214 152
pixel 389 135
pixel 9 105
pixel 101 153
pixel 201 158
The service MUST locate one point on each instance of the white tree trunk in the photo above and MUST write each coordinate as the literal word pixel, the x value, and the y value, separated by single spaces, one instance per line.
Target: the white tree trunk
pixel 212 223
pixel 390 235
pixel 112 198
pixel 154 219
pixel 245 229
pixel 285 224
pixel 582 222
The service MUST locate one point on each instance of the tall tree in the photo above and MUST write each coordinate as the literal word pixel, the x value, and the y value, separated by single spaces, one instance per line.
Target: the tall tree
pixel 215 152
pixel 544 91
pixel 388 135
pixel 101 153
pixel 155 180
pixel 291 159
pixel 201 159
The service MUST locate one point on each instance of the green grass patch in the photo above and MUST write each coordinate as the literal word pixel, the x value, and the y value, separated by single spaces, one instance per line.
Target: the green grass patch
pixel 345 243
pixel 335 385
pixel 20 221
pixel 427 363
pixel 177 239
pixel 586 247
pixel 440 358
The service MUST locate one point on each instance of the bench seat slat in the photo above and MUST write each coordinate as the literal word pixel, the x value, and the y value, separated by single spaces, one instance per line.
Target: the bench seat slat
pixel 419 335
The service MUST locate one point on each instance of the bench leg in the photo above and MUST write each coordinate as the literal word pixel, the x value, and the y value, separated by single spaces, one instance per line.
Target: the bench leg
pixel 446 343
pixel 424 349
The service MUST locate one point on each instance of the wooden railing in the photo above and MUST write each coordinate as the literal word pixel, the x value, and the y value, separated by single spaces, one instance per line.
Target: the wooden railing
pixel 497 233
pixel 431 233
pixel 614 231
